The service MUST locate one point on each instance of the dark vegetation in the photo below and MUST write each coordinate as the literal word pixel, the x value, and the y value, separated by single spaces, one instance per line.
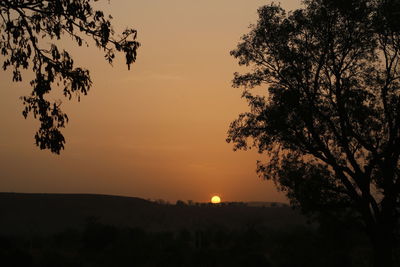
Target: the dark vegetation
pixel 326 114
pixel 43 214
pixel 29 34
pixel 95 230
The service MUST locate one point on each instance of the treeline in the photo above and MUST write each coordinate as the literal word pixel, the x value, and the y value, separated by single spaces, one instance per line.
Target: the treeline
pixel 255 245
pixel 222 204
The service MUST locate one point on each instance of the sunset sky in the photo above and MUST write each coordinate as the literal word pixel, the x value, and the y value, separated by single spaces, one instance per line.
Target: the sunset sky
pixel 157 131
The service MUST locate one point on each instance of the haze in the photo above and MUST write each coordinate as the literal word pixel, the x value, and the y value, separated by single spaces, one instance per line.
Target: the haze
pixel 157 131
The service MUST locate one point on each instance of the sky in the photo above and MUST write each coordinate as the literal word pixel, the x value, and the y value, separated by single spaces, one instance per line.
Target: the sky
pixel 157 131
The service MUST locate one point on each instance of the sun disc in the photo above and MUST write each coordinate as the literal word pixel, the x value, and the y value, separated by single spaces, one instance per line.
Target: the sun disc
pixel 215 200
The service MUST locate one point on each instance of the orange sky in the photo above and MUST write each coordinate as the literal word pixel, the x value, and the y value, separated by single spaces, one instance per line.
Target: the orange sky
pixel 157 131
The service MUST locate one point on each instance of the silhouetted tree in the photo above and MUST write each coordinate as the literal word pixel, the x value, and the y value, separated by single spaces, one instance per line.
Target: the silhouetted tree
pixel 329 122
pixel 23 26
pixel 180 203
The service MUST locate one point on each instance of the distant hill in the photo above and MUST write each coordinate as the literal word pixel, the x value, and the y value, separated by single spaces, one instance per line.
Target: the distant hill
pixel 41 214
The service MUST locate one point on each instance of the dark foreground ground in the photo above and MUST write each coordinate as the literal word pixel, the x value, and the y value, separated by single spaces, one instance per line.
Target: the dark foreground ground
pixel 95 230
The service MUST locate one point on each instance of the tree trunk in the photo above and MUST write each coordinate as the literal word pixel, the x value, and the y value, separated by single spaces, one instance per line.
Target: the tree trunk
pixel 383 246
pixel 383 256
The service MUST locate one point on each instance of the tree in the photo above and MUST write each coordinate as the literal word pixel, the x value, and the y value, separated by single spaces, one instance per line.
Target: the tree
pixel 329 121
pixel 25 25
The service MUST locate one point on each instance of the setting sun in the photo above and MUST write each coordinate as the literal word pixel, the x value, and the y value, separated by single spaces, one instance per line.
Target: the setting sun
pixel 215 200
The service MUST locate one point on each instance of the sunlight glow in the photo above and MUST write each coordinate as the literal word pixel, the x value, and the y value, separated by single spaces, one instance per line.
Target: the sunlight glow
pixel 215 200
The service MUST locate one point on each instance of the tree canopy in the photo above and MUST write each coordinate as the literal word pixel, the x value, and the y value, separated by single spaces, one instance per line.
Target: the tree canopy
pixel 329 119
pixel 24 27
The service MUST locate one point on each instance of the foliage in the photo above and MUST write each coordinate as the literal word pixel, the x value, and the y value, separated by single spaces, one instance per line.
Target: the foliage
pixel 329 122
pixel 106 245
pixel 26 26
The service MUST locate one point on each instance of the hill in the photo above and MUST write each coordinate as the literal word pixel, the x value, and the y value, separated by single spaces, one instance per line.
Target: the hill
pixel 37 214
pixel 104 231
